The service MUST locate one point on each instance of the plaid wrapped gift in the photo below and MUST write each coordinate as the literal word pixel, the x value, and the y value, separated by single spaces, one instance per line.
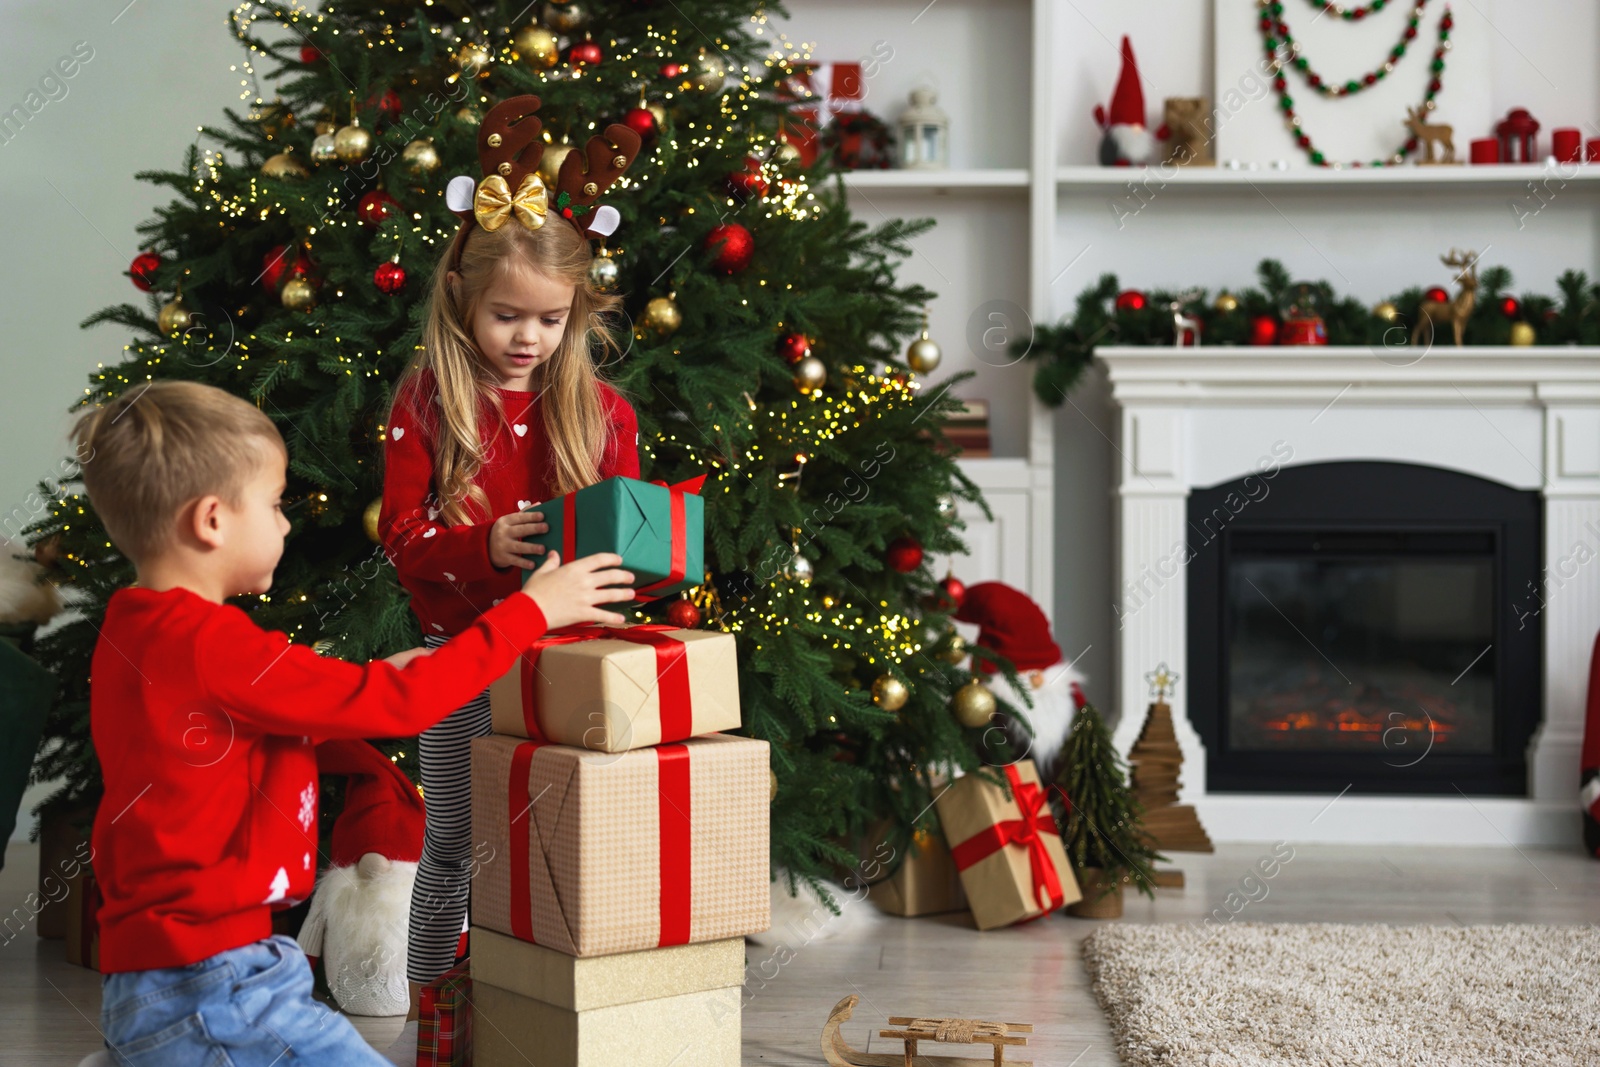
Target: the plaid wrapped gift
pixel 444 1029
pixel 597 853
pixel 615 688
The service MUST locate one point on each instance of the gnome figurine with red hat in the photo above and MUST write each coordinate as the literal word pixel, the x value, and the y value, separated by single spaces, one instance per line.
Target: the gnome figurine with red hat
pixel 1127 140
pixel 361 910
pixel 1010 624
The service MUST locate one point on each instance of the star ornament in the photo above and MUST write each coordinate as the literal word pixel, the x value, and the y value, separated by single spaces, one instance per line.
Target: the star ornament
pixel 1162 681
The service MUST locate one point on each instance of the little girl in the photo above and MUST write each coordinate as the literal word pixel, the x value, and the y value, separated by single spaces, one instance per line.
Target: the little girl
pixel 501 408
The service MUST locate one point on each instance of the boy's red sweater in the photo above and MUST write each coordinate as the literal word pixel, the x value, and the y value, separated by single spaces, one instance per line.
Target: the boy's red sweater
pixel 446 568
pixel 204 725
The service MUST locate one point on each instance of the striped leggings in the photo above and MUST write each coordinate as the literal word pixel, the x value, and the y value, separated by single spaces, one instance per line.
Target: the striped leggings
pixel 444 875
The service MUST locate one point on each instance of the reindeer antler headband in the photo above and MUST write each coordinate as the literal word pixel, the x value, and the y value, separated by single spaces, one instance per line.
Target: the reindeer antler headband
pixel 509 149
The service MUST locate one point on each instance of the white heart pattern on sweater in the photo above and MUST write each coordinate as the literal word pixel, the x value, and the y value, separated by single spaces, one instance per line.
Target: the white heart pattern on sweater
pixel 399 432
pixel 449 577
pixel 524 505
pixel 429 532
pixel 519 428
pixel 433 513
pixel 436 626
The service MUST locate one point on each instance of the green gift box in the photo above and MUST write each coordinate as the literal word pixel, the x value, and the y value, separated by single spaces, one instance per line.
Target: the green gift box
pixel 657 529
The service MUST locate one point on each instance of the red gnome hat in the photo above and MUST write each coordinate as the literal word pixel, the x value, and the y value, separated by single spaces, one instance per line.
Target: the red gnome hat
pixel 1009 624
pixel 382 811
pixel 1127 102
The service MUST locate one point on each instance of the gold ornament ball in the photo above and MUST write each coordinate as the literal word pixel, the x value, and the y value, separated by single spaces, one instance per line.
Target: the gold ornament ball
pixel 657 112
pixel 273 118
pixel 946 503
pixel 772 785
pixel 953 649
pixel 785 154
pixel 536 46
pixel 923 355
pixel 473 60
pixel 324 150
pixel 889 692
pixel 1386 311
pixel 550 162
pixel 1522 334
pixel 468 114
pixel 710 71
pixel 603 273
pixel 284 165
pixel 799 569
pixel 973 704
pixel 299 294
pixel 564 18
pixel 661 316
pixel 369 519
pixel 352 143
pixel 323 647
pixel 810 374
pixel 324 124
pixel 174 317
pixel 420 156
pixel 1226 302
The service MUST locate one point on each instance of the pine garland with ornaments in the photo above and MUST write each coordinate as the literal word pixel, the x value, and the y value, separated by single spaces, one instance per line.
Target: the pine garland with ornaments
pixel 1108 314
pixel 764 331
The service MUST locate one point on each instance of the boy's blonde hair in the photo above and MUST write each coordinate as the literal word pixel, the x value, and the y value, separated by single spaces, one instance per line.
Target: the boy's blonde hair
pixel 161 445
pixel 466 393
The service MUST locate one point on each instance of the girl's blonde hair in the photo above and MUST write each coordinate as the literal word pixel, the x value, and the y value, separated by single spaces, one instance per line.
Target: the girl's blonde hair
pixel 466 390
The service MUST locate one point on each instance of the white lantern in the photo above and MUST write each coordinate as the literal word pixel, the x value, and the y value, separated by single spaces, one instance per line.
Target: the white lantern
pixel 924 133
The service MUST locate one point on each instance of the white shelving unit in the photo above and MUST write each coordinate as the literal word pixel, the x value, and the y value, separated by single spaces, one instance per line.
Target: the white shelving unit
pixel 1549 175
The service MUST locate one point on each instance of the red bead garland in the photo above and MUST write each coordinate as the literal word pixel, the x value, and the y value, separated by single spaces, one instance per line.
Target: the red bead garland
pixel 1271 22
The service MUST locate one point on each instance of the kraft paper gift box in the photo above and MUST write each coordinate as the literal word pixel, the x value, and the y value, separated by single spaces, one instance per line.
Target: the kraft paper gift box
pixel 613 688
pixel 444 1013
pixel 83 902
pixel 1006 845
pixel 594 853
pixel 677 1005
pixel 658 530
pixel 926 881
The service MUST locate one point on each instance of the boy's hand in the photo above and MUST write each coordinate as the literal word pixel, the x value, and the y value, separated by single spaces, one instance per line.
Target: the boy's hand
pixel 506 547
pixel 569 593
pixel 400 659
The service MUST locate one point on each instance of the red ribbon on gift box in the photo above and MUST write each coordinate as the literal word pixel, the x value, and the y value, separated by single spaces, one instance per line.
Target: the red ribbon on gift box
pixel 674 814
pixel 680 536
pixel 672 673
pixel 1036 820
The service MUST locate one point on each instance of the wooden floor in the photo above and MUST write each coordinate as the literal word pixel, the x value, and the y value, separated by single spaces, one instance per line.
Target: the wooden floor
pixel 49 1009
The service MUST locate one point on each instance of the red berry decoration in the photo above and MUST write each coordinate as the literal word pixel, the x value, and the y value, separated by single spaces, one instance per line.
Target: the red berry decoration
pixel 904 555
pixel 683 614
pixel 1510 307
pixel 584 53
pixel 310 53
pixel 640 121
pixel 952 593
pixel 1130 300
pixel 1263 330
pixel 794 347
pixel 1437 295
pixel 376 206
pixel 732 245
pixel 749 182
pixel 389 277
pixel 143 268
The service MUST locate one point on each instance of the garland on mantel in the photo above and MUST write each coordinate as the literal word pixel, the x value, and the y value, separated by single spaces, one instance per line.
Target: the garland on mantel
pixel 1063 352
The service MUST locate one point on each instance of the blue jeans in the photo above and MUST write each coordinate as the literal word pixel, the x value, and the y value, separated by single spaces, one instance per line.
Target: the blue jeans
pixel 247 1007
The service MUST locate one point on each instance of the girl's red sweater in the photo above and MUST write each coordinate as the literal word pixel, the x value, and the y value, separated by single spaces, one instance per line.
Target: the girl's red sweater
pixel 446 567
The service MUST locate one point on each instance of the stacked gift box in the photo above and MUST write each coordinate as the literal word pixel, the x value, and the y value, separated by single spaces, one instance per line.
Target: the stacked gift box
pixel 624 838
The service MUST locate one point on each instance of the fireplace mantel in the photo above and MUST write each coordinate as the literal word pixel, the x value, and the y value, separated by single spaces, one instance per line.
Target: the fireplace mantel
pixel 1524 417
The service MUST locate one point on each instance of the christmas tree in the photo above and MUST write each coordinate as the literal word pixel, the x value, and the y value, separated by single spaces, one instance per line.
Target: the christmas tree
pixel 1100 824
pixel 762 344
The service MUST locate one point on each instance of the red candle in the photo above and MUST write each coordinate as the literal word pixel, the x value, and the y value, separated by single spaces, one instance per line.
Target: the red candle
pixel 1594 150
pixel 1486 150
pixel 1566 144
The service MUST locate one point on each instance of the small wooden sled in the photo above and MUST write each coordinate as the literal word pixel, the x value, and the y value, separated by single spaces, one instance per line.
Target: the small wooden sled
pixel 838 1052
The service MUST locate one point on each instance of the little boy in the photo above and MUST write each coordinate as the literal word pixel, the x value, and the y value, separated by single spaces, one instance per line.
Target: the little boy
pixel 204 726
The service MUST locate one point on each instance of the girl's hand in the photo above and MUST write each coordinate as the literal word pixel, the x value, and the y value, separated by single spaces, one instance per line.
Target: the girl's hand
pixel 569 594
pixel 506 547
pixel 400 659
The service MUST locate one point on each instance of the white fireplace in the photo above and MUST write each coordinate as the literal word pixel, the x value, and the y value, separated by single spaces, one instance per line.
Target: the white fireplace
pixel 1527 418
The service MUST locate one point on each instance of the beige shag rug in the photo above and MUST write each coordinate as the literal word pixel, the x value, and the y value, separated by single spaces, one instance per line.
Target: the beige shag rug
pixel 1327 995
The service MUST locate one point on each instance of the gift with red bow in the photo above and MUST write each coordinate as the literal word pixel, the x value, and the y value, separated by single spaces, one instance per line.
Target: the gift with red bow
pixel 616 688
pixel 1007 847
pixel 657 529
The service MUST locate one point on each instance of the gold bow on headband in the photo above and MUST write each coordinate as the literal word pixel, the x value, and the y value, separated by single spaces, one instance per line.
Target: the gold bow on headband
pixel 494 202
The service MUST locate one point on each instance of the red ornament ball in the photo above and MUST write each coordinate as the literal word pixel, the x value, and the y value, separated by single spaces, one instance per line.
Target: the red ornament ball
pixel 749 182
pixel 1130 300
pixel 278 265
pixel 387 104
pixel 1263 330
pixel 584 53
pixel 1510 307
pixel 904 555
pixel 389 277
pixel 1437 295
pixel 683 614
pixel 952 593
pixel 376 206
pixel 794 347
pixel 640 121
pixel 143 268
pixel 310 53
pixel 672 70
pixel 732 246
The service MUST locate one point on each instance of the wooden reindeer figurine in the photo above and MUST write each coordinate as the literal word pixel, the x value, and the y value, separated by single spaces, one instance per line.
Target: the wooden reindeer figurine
pixel 1429 135
pixel 1457 311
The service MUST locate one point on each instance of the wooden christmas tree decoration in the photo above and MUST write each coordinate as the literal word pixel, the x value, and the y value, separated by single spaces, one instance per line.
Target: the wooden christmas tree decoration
pixel 1156 760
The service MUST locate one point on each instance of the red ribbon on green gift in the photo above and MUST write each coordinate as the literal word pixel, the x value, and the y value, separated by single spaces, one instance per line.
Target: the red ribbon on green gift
pixel 680 535
pixel 674 847
pixel 1026 831
pixel 672 673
